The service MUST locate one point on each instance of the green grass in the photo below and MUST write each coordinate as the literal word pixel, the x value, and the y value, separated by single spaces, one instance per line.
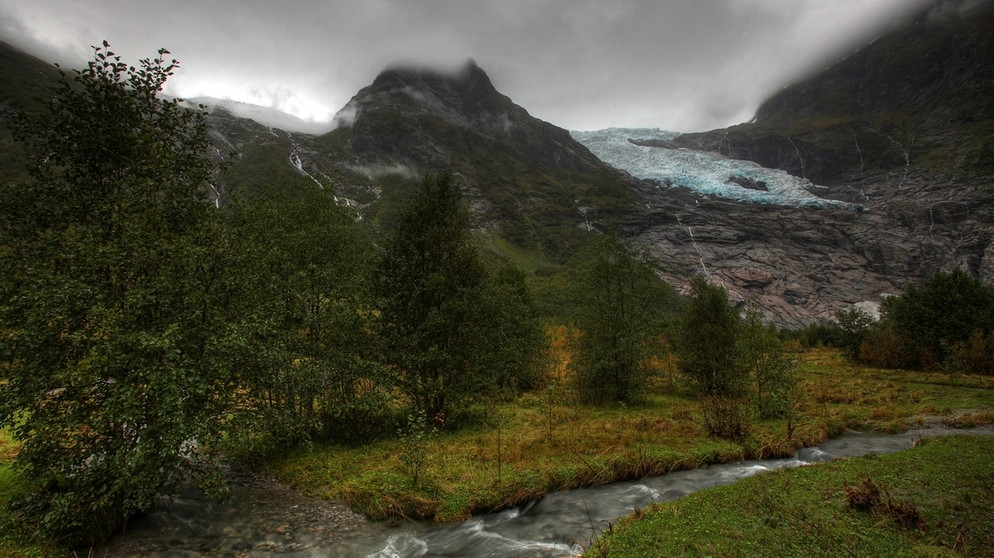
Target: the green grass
pixel 549 443
pixel 948 482
pixel 11 486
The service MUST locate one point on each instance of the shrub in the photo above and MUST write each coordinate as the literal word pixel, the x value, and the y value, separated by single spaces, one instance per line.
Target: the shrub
pixel 869 498
pixel 725 417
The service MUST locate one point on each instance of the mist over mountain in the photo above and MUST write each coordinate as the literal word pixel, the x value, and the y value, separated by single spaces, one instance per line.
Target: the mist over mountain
pixel 902 128
pixel 847 186
pixel 267 116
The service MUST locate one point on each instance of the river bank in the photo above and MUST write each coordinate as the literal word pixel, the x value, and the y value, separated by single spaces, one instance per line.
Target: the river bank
pixel 267 520
pixel 544 442
pixel 507 456
pixel 933 500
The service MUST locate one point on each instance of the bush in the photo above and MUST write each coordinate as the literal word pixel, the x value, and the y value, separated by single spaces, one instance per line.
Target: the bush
pixel 973 356
pixel 726 417
pixel 868 497
pixel 934 318
pixel 884 349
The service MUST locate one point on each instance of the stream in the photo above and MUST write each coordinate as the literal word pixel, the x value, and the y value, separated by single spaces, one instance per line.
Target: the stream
pixel 258 522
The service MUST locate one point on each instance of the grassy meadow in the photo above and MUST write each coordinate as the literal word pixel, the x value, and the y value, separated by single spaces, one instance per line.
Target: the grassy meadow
pixel 517 451
pixel 933 500
pixel 543 441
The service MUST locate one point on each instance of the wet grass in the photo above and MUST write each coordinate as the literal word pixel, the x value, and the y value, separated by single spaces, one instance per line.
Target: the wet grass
pixel 934 500
pixel 545 442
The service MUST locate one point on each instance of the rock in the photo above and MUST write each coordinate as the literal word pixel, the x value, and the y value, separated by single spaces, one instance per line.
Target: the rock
pixel 750 183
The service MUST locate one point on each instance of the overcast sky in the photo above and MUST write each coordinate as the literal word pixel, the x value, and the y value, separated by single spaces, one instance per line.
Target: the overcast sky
pixel 683 65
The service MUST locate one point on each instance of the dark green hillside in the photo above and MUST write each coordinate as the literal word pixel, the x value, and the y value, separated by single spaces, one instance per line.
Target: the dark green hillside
pixel 923 95
pixel 528 182
pixel 23 80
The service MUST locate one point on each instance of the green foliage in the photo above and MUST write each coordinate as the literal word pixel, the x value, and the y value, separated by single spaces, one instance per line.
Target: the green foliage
pixel 932 320
pixel 772 369
pixel 115 365
pixel 622 308
pixel 854 325
pixel 302 271
pixel 708 342
pixel 449 326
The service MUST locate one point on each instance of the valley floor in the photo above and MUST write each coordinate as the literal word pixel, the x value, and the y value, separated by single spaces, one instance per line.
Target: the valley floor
pixel 542 442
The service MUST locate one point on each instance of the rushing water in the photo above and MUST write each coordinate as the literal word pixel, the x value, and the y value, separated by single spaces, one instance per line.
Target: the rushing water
pixel 280 522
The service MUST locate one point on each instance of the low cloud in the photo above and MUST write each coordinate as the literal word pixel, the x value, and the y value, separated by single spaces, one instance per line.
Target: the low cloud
pixel 580 64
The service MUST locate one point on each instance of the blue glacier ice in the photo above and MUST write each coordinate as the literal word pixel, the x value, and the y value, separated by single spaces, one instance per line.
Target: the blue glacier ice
pixel 703 172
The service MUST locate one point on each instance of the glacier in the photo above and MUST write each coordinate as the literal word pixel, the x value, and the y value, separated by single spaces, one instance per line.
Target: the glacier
pixel 703 172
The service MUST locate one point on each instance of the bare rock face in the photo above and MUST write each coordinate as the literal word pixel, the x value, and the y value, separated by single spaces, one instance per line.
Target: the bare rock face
pixel 798 265
pixel 900 128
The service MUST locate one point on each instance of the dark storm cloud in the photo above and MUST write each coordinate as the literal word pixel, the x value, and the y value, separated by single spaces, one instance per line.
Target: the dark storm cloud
pixel 581 64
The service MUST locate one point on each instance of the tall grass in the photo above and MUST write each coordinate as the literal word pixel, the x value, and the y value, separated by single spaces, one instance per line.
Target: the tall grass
pixel 548 442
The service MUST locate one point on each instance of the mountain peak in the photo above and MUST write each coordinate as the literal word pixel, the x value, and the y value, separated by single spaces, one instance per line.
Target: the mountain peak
pixel 459 95
pixel 465 77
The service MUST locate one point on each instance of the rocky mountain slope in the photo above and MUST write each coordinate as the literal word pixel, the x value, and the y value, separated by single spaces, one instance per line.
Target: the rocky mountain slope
pixel 530 185
pixel 891 149
pixel 902 128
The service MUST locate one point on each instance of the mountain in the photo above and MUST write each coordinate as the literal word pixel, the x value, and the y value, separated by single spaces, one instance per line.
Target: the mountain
pixel 901 131
pixel 532 188
pixel 920 96
pixel 846 187
pixel 23 80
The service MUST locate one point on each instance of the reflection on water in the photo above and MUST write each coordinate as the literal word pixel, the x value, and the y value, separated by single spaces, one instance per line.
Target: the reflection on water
pixel 280 522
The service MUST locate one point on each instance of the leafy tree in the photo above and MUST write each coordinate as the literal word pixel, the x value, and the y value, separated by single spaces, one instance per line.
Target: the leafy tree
pixel 303 274
pixel 947 309
pixel 623 305
pixel 854 325
pixel 708 343
pixel 511 336
pixel 711 357
pixel 770 366
pixel 445 321
pixel 115 337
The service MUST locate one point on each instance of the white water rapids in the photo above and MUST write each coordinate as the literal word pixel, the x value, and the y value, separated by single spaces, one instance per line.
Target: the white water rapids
pixel 260 523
